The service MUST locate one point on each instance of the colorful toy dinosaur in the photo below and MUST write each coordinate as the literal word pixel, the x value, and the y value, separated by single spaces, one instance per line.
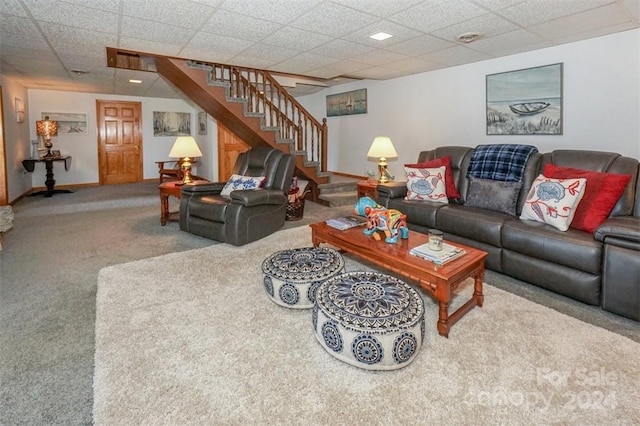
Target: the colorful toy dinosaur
pixel 392 222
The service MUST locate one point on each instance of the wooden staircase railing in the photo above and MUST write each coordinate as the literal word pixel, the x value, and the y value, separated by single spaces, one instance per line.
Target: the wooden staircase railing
pixel 270 114
pixel 280 111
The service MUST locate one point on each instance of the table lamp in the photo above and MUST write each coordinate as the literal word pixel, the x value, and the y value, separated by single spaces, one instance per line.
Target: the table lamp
pixel 382 148
pixel 185 148
pixel 47 128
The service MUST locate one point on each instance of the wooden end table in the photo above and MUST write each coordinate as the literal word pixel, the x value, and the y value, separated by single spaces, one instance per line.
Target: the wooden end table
pixel 174 189
pixel 439 280
pixel 368 188
pixel 167 189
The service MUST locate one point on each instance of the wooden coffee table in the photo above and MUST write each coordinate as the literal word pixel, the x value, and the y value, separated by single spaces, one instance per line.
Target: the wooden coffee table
pixel 439 280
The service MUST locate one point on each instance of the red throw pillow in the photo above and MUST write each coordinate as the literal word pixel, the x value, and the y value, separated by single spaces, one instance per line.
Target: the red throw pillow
pixel 449 182
pixel 600 195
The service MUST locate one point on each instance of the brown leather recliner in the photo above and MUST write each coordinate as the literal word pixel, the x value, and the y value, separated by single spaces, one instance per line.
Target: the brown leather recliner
pixel 246 215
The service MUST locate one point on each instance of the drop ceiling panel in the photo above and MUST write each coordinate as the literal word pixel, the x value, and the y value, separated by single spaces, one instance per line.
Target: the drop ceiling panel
pixel 303 63
pixel 509 43
pixel 457 55
pixel 379 56
pixel 106 5
pixel 145 29
pixel 378 73
pixel 236 25
pixel 10 24
pixel 74 16
pixel 333 19
pixel 488 25
pixel 415 65
pixel 380 8
pixel 281 11
pixel 78 41
pixel 400 33
pixel 11 54
pixel 342 49
pixel 13 7
pixel 181 13
pixel 217 43
pixel 297 39
pixel 590 20
pixel 130 43
pixel 430 16
pixel 420 45
pixel 533 12
pixel 318 38
pixel 206 55
pixel 633 8
pixel 342 68
pixel 275 54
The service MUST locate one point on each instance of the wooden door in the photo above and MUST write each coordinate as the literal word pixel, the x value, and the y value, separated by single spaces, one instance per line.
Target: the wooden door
pixel 119 141
pixel 229 147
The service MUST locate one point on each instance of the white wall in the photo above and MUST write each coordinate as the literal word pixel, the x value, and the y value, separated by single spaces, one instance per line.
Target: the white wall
pixel 84 147
pixel 16 138
pixel 601 106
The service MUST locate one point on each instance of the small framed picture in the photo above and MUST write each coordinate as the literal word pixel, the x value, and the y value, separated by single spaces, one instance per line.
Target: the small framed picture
pixel 202 123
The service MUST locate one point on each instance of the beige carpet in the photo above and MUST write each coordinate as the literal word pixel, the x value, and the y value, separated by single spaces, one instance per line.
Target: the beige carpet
pixel 191 338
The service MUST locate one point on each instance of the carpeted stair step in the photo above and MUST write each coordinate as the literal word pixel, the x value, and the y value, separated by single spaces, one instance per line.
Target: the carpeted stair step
pixel 337 186
pixel 337 199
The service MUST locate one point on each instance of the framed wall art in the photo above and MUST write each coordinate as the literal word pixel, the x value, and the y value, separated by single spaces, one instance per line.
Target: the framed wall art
pixel 347 103
pixel 202 123
pixel 171 123
pixel 68 122
pixel 525 102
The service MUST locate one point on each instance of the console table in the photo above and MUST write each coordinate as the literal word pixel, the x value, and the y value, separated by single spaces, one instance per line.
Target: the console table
pixel 50 183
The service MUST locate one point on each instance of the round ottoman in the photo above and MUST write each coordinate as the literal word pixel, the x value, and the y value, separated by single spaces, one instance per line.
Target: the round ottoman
pixel 369 320
pixel 291 277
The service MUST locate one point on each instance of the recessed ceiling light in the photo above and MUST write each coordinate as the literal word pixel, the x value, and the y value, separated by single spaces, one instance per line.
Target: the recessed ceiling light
pixel 468 37
pixel 380 36
pixel 135 81
pixel 80 72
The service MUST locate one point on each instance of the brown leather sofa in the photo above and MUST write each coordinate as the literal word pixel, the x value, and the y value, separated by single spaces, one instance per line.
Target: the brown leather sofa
pixel 599 269
pixel 244 215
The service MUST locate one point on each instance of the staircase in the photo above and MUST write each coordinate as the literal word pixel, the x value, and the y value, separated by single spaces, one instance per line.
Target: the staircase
pixel 251 103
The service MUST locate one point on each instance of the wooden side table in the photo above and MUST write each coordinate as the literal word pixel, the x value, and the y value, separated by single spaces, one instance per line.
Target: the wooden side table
pixel 167 189
pixel 50 183
pixel 368 188
pixel 172 188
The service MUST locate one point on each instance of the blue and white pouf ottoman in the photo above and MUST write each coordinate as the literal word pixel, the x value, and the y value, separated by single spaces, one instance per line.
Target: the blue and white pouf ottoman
pixel 369 320
pixel 291 277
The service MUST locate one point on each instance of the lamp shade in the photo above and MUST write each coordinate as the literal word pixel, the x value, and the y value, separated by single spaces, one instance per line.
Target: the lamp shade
pixel 185 146
pixel 47 127
pixel 382 148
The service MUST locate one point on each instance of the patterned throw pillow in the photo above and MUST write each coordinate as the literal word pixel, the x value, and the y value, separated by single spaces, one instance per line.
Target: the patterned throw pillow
pixel 449 181
pixel 600 196
pixel 237 182
pixel 553 201
pixel 426 184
